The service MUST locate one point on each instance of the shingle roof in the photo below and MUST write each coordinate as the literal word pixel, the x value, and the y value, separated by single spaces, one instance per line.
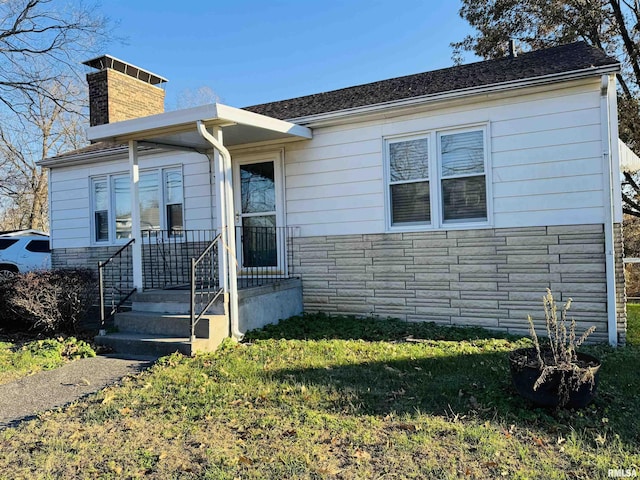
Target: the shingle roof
pixel 555 60
pixel 97 147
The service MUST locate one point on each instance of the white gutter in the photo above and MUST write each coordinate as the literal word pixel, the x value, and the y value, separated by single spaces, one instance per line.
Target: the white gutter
pixel 229 238
pixel 612 323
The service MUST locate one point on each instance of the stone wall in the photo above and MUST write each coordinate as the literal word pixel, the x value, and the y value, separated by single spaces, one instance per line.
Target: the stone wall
pixel 83 257
pixel 621 293
pixel 490 277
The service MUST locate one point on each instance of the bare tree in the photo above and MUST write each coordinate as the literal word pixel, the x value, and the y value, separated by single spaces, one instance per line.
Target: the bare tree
pixel 47 129
pixel 194 98
pixel 41 43
pixel 42 105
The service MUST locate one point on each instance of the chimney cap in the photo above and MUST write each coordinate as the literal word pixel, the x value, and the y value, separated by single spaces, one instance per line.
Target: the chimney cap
pixel 105 62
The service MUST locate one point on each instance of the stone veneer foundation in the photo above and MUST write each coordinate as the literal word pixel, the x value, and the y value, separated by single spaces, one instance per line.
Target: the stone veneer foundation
pixel 492 278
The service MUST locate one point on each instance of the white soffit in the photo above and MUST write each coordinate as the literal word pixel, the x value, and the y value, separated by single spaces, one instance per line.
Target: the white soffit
pixel 178 128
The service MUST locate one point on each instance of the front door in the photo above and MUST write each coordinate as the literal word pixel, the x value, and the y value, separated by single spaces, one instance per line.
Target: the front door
pixel 258 213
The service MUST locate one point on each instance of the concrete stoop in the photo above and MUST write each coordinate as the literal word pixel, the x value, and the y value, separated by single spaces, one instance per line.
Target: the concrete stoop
pixel 159 324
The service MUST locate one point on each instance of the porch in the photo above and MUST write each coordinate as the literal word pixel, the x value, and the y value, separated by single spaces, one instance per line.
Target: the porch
pixel 183 305
pixel 246 246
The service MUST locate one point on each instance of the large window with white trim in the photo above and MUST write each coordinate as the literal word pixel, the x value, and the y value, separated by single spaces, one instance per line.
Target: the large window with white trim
pixel 437 178
pixel 160 199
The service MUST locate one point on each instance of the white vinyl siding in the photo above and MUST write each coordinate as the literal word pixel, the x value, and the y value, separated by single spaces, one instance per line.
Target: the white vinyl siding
pixel 544 164
pixel 543 161
pixel 70 190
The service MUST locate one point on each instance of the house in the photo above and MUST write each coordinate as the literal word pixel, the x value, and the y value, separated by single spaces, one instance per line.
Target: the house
pixel 456 196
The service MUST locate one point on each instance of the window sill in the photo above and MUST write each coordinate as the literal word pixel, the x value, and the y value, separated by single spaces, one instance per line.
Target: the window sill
pixel 440 228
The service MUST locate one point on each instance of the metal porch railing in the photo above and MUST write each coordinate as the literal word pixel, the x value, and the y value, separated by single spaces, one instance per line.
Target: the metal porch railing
pixel 265 253
pixel 205 282
pixel 166 256
pixel 115 281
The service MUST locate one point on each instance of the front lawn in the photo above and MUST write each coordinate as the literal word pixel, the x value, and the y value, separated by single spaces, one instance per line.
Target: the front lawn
pixel 633 324
pixel 20 357
pixel 325 397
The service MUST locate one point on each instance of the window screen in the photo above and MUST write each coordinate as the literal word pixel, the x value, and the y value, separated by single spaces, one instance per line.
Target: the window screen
pixel 464 189
pixel 409 182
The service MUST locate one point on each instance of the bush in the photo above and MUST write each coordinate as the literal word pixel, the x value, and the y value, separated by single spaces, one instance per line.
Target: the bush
pixel 47 301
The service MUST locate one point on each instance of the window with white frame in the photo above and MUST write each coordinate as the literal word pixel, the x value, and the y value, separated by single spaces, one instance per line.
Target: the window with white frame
pixel 161 204
pixel 409 182
pixel 437 178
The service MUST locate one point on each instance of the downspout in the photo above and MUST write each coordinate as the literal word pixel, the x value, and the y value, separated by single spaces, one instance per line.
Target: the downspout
pixel 230 237
pixel 610 263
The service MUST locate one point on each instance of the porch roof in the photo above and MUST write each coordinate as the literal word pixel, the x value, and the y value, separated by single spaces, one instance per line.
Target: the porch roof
pixel 178 128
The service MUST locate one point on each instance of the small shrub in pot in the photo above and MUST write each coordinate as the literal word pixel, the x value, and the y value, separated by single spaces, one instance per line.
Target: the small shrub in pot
pixel 554 373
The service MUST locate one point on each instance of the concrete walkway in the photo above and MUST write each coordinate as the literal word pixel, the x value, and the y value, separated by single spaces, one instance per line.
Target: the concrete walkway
pixel 24 398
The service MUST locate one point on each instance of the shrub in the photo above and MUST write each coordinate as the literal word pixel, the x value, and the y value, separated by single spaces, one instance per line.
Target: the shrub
pixel 47 301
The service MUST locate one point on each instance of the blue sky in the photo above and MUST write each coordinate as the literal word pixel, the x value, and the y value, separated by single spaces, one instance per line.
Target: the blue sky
pixel 250 51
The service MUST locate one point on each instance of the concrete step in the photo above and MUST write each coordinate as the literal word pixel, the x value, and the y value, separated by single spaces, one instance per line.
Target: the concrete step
pixel 170 301
pixel 157 335
pixel 157 345
pixel 166 324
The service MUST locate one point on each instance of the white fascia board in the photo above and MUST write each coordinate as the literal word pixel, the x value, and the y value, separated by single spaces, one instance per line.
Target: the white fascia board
pixel 181 120
pixel 244 117
pixel 135 129
pixel 98 156
pixel 329 118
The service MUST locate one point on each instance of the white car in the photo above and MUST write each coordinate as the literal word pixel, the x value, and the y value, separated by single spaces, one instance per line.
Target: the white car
pixel 24 251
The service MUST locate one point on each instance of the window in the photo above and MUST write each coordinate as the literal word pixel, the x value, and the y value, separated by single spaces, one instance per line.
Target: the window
pixel 39 246
pixel 409 182
pixel 101 210
pixel 159 191
pixel 437 178
pixel 464 189
pixel 6 243
pixel 173 200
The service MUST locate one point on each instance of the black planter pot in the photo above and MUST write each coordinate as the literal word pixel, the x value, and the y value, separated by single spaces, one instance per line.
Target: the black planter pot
pixel 524 375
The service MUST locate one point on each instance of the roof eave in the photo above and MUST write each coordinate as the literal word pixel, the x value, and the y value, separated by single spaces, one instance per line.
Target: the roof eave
pixel 322 119
pixel 179 121
pixel 114 153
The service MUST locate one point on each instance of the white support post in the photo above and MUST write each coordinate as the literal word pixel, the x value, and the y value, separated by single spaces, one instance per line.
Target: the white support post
pixel 218 169
pixel 136 252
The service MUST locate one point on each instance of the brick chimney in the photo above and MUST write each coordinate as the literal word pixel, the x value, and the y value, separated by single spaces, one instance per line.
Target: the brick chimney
pixel 121 91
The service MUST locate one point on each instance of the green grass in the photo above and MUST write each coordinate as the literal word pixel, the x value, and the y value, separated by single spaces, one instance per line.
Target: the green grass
pixel 633 324
pixel 334 397
pixel 21 358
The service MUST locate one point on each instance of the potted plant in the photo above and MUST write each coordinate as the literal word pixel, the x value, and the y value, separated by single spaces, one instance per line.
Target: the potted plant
pixel 554 374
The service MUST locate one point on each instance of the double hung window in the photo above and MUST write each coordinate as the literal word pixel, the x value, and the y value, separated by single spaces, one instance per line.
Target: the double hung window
pixel 437 179
pixel 161 204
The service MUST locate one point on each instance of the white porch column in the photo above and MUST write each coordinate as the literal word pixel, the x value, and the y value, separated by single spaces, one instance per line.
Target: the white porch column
pixel 221 212
pixel 136 251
